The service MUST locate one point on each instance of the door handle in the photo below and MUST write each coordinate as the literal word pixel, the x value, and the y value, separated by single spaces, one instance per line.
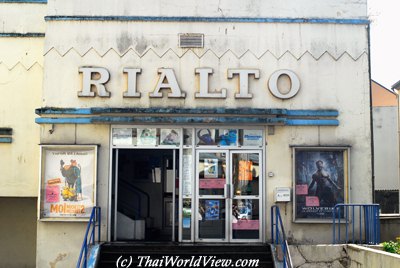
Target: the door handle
pixel 227 189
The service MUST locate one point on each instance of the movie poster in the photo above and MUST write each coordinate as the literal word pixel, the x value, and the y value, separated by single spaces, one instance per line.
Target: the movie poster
pixel 212 210
pixel 147 136
pixel 320 182
pixel 210 168
pixel 122 136
pixel 170 136
pixel 68 177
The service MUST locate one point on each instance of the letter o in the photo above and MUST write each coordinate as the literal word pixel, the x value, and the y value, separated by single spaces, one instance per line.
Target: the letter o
pixel 273 84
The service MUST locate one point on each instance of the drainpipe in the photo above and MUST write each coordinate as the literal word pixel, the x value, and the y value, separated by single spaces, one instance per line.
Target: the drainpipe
pixel 370 111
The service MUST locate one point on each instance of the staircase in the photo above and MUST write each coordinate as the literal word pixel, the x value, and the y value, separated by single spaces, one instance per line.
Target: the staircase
pixel 120 254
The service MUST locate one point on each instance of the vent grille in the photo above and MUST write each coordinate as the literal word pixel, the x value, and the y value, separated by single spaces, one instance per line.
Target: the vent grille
pixel 191 40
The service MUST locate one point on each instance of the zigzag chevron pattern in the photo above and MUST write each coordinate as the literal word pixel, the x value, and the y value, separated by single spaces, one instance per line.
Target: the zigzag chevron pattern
pixel 19 63
pixel 202 53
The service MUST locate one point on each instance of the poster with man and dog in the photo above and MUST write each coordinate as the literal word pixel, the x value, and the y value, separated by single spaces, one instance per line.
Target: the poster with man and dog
pixel 68 177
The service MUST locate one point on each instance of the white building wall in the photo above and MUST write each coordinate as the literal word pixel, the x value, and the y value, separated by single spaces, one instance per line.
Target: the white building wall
pixel 331 61
pixel 22 17
pixel 21 75
pixel 209 8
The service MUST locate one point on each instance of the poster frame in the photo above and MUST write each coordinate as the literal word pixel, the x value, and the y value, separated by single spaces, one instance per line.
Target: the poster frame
pixel 42 163
pixel 346 178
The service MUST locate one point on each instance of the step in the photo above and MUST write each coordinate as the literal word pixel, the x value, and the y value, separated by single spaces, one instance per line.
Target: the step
pixel 187 255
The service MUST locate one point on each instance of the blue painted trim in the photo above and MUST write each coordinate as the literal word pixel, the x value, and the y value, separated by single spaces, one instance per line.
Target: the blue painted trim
pixel 22 34
pixel 312 122
pixel 68 120
pixel 6 131
pixel 209 19
pixel 25 1
pixel 5 140
pixel 98 115
pixel 187 120
pixel 91 111
pixel 312 113
pixel 161 120
pixel 60 111
pixel 155 110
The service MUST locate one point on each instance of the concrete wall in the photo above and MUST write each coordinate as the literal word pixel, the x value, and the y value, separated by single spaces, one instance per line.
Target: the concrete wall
pixel 386 148
pixel 341 256
pixel 386 144
pixel 22 17
pixel 21 75
pixel 367 257
pixel 210 8
pixel 319 256
pixel 59 243
pixel 18 232
pixel 20 86
pixel 389 228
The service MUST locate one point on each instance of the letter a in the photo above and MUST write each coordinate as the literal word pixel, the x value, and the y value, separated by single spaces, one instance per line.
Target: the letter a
pixel 171 83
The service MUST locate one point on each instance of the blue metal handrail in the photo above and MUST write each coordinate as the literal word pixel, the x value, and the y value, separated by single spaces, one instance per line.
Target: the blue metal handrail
pixel 94 221
pixel 278 235
pixel 359 221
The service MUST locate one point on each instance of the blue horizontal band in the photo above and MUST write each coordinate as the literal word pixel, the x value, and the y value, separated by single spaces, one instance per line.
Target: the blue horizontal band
pixel 327 113
pixel 5 139
pixel 188 120
pixel 312 122
pixel 22 34
pixel 98 115
pixel 159 120
pixel 64 120
pixel 203 111
pixel 209 19
pixel 25 1
pixel 6 131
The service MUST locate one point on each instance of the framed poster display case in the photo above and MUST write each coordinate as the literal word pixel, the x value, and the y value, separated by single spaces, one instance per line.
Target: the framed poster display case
pixel 67 182
pixel 320 181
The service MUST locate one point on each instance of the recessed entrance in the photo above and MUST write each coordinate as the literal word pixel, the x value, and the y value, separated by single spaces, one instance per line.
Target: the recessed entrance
pixel 144 195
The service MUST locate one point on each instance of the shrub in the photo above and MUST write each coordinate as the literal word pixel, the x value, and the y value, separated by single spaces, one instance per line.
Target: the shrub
pixel 392 247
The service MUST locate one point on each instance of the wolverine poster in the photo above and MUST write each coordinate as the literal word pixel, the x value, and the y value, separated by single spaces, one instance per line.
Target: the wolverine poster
pixel 320 182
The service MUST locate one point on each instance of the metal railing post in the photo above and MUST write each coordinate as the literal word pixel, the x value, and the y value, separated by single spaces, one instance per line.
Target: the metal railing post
pixel 278 235
pixel 368 223
pixel 95 217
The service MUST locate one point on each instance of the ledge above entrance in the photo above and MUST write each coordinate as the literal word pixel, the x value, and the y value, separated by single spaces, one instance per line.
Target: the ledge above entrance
pixel 96 115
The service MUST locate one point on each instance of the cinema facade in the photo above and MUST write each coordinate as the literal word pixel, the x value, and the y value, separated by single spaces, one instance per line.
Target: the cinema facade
pixel 188 128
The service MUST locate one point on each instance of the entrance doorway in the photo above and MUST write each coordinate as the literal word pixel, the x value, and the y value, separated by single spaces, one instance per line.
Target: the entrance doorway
pixel 187 184
pixel 228 191
pixel 145 195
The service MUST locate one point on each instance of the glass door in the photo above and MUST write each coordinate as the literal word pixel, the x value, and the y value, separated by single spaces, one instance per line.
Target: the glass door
pixel 211 191
pixel 228 190
pixel 246 209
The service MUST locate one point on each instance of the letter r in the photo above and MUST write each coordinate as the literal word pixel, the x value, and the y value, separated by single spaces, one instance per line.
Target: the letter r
pixel 88 82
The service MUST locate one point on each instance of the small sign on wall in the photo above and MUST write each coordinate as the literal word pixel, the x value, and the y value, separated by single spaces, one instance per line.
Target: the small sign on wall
pixel 282 194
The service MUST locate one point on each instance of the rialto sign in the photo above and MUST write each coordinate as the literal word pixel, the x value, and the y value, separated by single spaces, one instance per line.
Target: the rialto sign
pixel 95 80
